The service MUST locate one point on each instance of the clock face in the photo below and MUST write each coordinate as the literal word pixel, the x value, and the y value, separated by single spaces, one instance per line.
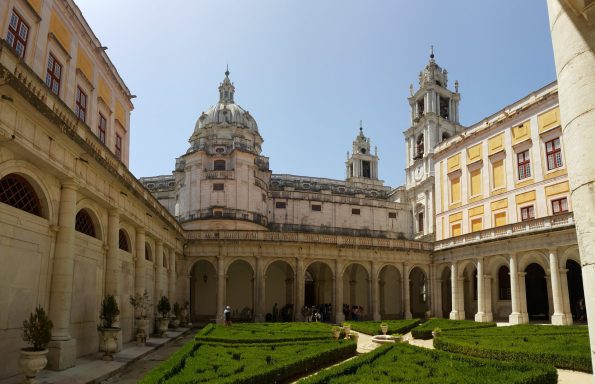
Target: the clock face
pixel 419 172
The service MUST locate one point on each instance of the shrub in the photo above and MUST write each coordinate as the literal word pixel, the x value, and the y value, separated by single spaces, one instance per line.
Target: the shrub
pixel 424 331
pixel 264 333
pixel 37 331
pixel 163 307
pixel 394 326
pixel 141 304
pixel 109 311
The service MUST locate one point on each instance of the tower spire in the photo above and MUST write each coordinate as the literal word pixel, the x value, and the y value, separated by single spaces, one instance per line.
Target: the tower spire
pixel 431 52
pixel 226 89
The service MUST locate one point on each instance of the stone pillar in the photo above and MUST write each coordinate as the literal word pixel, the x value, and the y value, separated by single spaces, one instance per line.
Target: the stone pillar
pixel 139 266
pixel 221 283
pixel 113 265
pixel 375 295
pixel 480 315
pixel 523 297
pixel 573 42
pixel 559 317
pixel 406 294
pixel 62 348
pixel 457 313
pixel 566 295
pixel 515 316
pixel 158 287
pixel 489 316
pixel 171 286
pixel 339 316
pixel 260 291
pixel 299 289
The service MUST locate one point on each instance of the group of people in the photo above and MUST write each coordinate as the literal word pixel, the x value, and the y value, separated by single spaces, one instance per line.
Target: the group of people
pixel 321 312
pixel 353 313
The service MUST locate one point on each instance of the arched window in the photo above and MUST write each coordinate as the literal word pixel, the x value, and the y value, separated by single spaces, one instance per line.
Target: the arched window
pixel 420 147
pixel 84 223
pixel 219 165
pixel 164 260
pixel 123 241
pixel 147 252
pixel 445 136
pixel 420 222
pixel 16 191
pixel 504 283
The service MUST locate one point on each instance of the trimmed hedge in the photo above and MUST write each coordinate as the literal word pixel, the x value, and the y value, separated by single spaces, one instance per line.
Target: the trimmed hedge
pixel 404 363
pixel 394 326
pixel 424 331
pixel 563 347
pixel 265 332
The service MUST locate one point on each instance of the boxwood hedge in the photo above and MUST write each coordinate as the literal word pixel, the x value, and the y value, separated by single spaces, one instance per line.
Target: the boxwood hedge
pixel 265 332
pixel 424 331
pixel 404 363
pixel 394 326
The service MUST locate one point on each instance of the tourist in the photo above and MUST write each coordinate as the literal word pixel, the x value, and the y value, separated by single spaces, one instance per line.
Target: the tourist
pixel 227 315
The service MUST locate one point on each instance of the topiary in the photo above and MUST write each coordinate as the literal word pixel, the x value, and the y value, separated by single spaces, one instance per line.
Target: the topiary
pixel 163 307
pixel 37 331
pixel 109 311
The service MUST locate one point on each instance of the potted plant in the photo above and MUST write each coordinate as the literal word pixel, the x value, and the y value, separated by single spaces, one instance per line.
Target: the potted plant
pixel 175 320
pixel 163 308
pixel 184 315
pixel 384 328
pixel 336 332
pixel 354 336
pixel 109 333
pixel 436 332
pixel 397 337
pixel 141 304
pixel 347 329
pixel 37 331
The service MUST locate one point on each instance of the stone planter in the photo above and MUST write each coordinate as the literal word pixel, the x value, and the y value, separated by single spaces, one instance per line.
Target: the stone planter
pixel 184 318
pixel 174 323
pixel 109 341
pixel 142 331
pixel 31 362
pixel 384 329
pixel 162 326
pixel 336 334
pixel 347 330
pixel 354 336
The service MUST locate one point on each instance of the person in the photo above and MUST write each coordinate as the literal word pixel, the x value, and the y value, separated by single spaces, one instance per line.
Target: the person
pixel 275 313
pixel 227 315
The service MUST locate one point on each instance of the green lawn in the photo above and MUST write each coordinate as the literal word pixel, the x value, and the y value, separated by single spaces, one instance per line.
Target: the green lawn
pixel 394 326
pixel 403 363
pixel 265 332
pixel 563 347
pixel 424 331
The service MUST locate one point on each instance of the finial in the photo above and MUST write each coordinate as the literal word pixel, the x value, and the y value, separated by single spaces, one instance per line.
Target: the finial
pixel 227 70
pixel 360 126
pixel 456 86
pixel 411 89
pixel 431 51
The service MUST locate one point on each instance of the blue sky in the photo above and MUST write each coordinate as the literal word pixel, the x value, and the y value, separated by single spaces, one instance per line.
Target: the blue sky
pixel 309 71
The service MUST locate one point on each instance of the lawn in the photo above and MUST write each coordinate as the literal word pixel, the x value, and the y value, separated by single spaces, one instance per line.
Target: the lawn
pixel 394 326
pixel 403 363
pixel 424 331
pixel 264 332
pixel 563 347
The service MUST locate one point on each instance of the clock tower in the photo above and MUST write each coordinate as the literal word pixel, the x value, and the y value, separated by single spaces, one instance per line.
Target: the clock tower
pixel 434 118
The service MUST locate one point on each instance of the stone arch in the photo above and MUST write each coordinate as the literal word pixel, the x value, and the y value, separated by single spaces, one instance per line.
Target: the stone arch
pixel 148 252
pixel 318 285
pixel 570 253
pixel 537 292
pixel 87 223
pixel 533 257
pixel 124 242
pixel 91 207
pixel 31 174
pixel 469 273
pixel 576 294
pixel 390 291
pixel 279 291
pixel 446 290
pixel 203 291
pixel 499 269
pixel 356 290
pixel 419 292
pixel 239 292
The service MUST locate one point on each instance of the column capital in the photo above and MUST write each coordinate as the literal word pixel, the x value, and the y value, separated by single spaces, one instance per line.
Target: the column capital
pixel 158 242
pixel 140 230
pixel 69 184
pixel 113 211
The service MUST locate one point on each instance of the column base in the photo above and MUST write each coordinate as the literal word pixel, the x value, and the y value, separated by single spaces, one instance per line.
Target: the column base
pixel 457 315
pixel 377 317
pixel 517 318
pixel 560 319
pixel 339 318
pixel 483 317
pixel 408 315
pixel 62 354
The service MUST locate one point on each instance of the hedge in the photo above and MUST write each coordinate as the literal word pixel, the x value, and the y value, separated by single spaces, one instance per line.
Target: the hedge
pixel 424 331
pixel 404 363
pixel 561 348
pixel 394 326
pixel 265 333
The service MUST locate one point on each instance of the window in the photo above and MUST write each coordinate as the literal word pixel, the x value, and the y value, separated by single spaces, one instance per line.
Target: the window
pixel 475 182
pixel 419 147
pixel 554 154
pixel 498 177
pixel 53 74
pixel 218 187
pixel 355 211
pixel 17 35
pixel 218 212
pixel 392 215
pixel 102 128
pixel 476 224
pixel 523 165
pixel 147 252
pixel 455 230
pixel 527 213
pixel 80 105
pixel 455 190
pixel 366 169
pixel 84 223
pixel 118 146
pixel 316 207
pixel 500 219
pixel 17 192
pixel 559 206
pixel 164 260
pixel 219 165
pixel 504 283
pixel 123 241
pixel 420 222
pixel 280 205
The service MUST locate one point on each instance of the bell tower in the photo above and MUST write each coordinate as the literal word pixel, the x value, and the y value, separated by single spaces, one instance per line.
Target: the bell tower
pixel 434 113
pixel 362 165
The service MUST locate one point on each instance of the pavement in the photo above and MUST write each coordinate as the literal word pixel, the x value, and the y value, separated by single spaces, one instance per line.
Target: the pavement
pixel 92 369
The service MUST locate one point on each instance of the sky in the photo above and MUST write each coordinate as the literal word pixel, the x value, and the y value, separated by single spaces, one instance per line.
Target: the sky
pixel 309 70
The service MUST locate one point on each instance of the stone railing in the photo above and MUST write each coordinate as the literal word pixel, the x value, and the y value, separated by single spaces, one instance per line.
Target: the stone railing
pixel 524 227
pixel 224 214
pixel 298 237
pixel 326 230
pixel 219 175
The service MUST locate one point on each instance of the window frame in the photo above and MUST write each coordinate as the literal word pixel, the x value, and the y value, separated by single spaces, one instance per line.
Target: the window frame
pixel 118 146
pixel 525 164
pixel 555 153
pixel 218 187
pixel 528 209
pixel 356 211
pixel 217 165
pixel 101 130
pixel 52 79
pixel 81 104
pixel 280 205
pixel 560 201
pixel 316 207
pixel 16 33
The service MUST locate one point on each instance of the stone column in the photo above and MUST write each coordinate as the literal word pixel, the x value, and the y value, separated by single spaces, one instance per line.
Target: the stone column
pixel 171 286
pixel 375 296
pixel 113 265
pixel 515 316
pixel 139 266
pixel 62 348
pixel 299 289
pixel 158 288
pixel 573 42
pixel 480 315
pixel 558 318
pixel 260 291
pixel 339 316
pixel 523 297
pixel 458 310
pixel 488 298
pixel 406 294
pixel 566 295
pixel 220 288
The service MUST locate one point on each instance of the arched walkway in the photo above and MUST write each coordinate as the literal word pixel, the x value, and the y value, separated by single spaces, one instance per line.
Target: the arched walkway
pixel 318 287
pixel 203 291
pixel 391 293
pixel 418 292
pixel 279 285
pixel 537 292
pixel 240 290
pixel 470 291
pixel 446 292
pixel 356 292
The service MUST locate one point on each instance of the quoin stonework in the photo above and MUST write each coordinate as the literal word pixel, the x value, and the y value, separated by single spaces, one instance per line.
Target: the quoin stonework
pixel 483 228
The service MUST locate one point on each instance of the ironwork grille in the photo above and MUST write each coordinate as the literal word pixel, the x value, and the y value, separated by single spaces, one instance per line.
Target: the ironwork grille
pixel 123 241
pixel 84 223
pixel 17 192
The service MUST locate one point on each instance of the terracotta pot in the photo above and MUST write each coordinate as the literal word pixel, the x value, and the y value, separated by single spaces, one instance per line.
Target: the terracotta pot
pixel 162 326
pixel 31 362
pixel 110 342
